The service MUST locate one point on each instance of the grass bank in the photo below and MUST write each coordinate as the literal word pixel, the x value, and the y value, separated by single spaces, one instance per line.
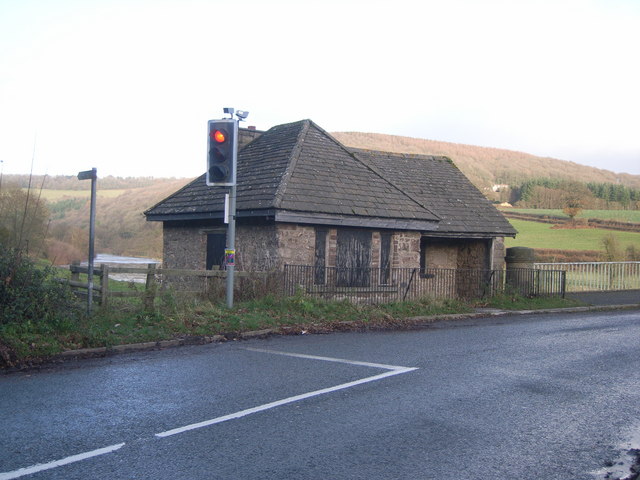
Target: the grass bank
pixel 542 235
pixel 175 318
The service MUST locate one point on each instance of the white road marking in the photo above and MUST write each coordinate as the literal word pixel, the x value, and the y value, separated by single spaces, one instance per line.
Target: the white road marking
pixel 58 463
pixel 326 359
pixel 392 370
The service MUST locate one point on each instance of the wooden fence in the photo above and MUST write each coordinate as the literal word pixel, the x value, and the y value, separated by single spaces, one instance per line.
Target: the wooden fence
pixel 153 278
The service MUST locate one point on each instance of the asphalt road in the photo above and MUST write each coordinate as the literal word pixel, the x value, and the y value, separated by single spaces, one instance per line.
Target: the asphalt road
pixel 516 397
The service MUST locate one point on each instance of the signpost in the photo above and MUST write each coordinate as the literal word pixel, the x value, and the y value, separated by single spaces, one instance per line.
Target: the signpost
pixel 93 176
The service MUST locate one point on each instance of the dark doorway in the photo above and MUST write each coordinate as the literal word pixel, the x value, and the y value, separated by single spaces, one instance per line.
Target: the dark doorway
pixel 216 243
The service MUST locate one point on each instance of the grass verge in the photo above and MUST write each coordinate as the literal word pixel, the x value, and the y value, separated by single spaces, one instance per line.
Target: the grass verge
pixel 184 317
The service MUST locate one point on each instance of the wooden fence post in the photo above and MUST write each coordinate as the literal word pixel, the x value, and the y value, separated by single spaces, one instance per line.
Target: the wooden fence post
pixel 150 287
pixel 75 274
pixel 104 286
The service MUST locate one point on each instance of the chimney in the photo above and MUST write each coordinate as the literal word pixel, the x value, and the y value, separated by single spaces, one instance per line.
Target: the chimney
pixel 247 135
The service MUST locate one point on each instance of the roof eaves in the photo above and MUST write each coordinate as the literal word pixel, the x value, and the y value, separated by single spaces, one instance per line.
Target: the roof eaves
pixel 146 212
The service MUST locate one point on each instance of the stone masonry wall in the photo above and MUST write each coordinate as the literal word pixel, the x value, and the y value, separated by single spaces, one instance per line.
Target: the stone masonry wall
pixel 405 250
pixel 442 256
pixel 472 255
pixel 296 244
pixel 183 247
pixel 270 247
pixel 499 253
pixel 257 248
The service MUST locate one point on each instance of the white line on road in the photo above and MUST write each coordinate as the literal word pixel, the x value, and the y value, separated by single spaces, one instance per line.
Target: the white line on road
pixel 327 359
pixel 58 463
pixel 393 370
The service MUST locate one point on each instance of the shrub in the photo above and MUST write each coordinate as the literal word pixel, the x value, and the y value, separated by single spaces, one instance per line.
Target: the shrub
pixel 612 249
pixel 29 296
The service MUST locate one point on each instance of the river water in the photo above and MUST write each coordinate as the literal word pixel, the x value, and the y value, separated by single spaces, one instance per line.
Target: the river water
pixel 121 261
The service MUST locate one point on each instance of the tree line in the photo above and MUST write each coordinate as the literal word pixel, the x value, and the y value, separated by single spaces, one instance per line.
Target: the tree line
pixel 561 193
pixel 70 182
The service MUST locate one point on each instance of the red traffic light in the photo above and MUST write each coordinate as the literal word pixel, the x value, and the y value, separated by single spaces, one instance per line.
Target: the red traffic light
pixel 218 136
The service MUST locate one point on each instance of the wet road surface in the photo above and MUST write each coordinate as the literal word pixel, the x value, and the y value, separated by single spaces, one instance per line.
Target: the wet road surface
pixel 522 397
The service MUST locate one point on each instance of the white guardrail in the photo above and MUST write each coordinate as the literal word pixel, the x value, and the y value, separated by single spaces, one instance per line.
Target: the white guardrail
pixel 597 276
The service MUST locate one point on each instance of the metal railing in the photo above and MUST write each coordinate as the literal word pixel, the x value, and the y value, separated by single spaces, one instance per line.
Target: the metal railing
pixel 597 276
pixel 375 285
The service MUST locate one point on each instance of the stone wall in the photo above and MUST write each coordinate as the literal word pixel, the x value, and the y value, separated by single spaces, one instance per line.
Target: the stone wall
pixel 268 247
pixel 441 255
pixel 499 253
pixel 257 248
pixel 405 250
pixel 183 247
pixel 472 254
pixel 463 254
pixel 296 244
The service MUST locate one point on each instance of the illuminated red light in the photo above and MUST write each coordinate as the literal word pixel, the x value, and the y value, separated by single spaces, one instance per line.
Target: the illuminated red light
pixel 218 136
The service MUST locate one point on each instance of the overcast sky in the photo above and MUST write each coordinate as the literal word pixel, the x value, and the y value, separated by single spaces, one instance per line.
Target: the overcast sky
pixel 128 86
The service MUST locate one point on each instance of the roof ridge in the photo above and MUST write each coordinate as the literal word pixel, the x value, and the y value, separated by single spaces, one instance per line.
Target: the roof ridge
pixel 291 164
pixel 399 154
pixel 375 170
pixel 352 154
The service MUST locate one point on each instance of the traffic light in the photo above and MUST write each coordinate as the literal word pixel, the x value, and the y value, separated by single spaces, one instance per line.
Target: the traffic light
pixel 222 151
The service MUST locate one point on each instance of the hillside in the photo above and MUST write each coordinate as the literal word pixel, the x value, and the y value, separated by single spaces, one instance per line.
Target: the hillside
pixel 485 166
pixel 121 227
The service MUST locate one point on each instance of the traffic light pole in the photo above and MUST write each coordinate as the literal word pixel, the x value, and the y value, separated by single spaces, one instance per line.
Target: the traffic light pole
pixel 231 245
pixel 222 161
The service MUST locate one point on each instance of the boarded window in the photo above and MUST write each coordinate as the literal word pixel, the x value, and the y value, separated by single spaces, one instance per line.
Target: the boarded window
pixel 319 272
pixel 215 249
pixel 385 258
pixel 353 258
pixel 424 246
pixel 423 255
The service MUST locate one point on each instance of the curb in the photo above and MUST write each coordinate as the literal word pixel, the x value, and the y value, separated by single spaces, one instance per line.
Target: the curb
pixel 412 321
pixel 136 347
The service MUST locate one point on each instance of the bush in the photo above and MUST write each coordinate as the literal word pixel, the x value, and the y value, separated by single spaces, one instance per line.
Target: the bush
pixel 612 249
pixel 29 296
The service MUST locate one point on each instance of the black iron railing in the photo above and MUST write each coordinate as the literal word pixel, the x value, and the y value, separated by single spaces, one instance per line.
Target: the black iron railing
pixel 374 285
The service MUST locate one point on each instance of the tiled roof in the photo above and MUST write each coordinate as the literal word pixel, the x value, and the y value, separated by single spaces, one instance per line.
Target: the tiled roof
pixel 300 169
pixel 436 181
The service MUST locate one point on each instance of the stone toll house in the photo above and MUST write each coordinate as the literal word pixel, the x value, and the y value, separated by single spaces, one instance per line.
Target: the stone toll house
pixel 303 198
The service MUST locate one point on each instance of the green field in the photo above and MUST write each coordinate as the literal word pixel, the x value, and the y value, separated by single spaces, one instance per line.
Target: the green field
pixel 55 195
pixel 541 235
pixel 618 215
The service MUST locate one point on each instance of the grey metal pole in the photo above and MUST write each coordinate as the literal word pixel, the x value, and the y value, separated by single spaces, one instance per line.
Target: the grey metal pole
pixel 92 223
pixel 231 245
